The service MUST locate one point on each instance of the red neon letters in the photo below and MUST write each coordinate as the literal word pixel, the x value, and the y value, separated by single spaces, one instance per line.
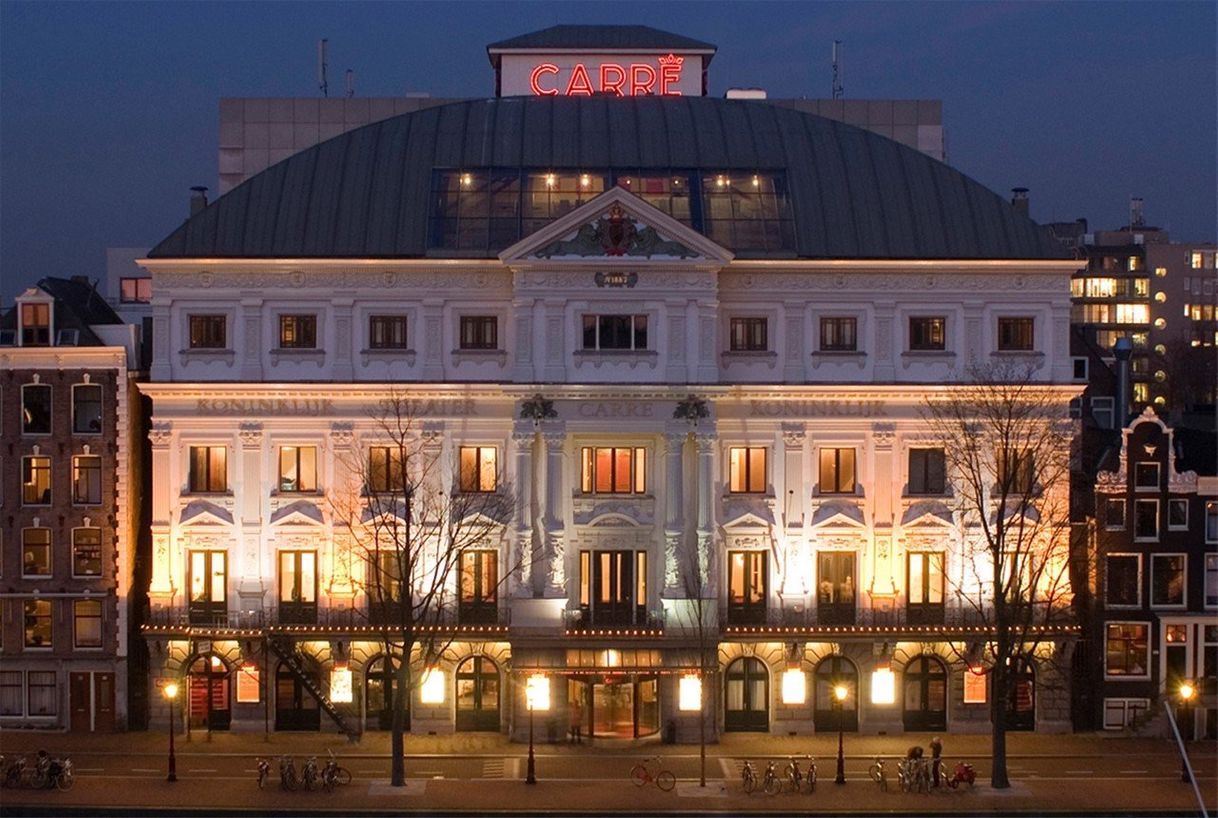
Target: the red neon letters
pixel 635 79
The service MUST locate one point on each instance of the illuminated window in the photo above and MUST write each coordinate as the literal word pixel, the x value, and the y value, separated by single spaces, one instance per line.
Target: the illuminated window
pixel 1127 649
pixel 927 333
pixel 837 474
pixel 86 552
pixel 613 587
pixel 924 587
pixel 1135 263
pixel 35 325
pixel 207 331
pixel 87 623
pixel 1196 261
pixel 927 471
pixel 838 334
pixel 479 586
pixel 36 409
pixel 387 332
pixel 1211 521
pixel 298 332
pixel 36 552
pixel 1141 393
pixel 1015 334
pixel 613 470
pixel 135 290
pixel 974 685
pixel 385 471
pixel 747 469
pixel 86 480
pixel 478 468
pixel 746 587
pixel 1120 713
pixel 298 586
pixel 86 408
pixel 1167 580
pixel 615 332
pixel 36 480
pixel 479 332
pixel 208 469
pixel 749 335
pixel 747 212
pixel 38 627
pixel 1132 313
pixel 1123 580
pixel 297 468
pixel 207 581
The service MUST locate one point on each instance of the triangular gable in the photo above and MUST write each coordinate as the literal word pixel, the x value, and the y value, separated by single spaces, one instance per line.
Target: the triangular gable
pixel 838 513
pixel 302 512
pixel 747 513
pixel 201 512
pixel 615 225
pixel 1013 510
pixel 929 514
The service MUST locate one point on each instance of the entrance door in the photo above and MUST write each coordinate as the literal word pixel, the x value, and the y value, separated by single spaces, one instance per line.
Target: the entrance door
pixel 835 588
pixel 378 695
pixel 298 587
pixel 925 700
pixel 613 709
pixel 832 672
pixel 103 702
pixel 80 695
pixel 208 580
pixel 477 695
pixel 1021 704
pixel 747 692
pixel 746 587
pixel 209 694
pixel 295 706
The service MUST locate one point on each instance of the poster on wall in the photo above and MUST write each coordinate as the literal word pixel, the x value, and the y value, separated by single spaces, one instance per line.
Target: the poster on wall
pixel 340 685
pixel 249 690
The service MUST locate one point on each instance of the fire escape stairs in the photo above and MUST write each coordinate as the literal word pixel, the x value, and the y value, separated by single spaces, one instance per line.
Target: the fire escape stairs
pixel 285 649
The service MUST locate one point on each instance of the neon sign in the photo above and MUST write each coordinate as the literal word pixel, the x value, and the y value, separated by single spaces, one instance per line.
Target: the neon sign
pixel 633 80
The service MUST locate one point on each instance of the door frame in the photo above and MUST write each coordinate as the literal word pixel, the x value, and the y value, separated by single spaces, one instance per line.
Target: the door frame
pixel 746 720
pixel 924 719
pixel 826 719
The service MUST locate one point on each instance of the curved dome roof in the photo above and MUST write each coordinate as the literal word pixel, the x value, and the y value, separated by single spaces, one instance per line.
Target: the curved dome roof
pixel 366 193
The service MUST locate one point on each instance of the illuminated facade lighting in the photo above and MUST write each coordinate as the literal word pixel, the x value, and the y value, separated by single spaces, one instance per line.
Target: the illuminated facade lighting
pixel 689 693
pixel 794 686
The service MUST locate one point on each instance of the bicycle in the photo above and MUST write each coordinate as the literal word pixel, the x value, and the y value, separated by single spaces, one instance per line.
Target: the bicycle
pixel 749 777
pixel 914 775
pixel 878 774
pixel 641 775
pixel 794 775
pixel 811 774
pixel 770 782
pixel 333 775
pixel 287 773
pixel 309 774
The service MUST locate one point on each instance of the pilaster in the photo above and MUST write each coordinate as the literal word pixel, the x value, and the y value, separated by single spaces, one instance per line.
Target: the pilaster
pixel 555 436
pixel 249 568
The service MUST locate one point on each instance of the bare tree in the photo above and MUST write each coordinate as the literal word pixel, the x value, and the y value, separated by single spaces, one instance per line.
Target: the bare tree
pixel 1006 440
pixel 411 528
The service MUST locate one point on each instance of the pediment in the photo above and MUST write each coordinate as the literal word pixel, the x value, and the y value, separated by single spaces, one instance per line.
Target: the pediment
pixel 838 513
pixel 204 512
pixel 301 512
pixel 1013 511
pixel 747 513
pixel 612 514
pixel 616 226
pixel 928 514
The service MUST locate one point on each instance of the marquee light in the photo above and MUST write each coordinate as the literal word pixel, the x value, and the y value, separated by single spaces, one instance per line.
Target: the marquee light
pixel 883 686
pixel 431 691
pixel 794 686
pixel 689 693
pixel 537 692
pixel 633 80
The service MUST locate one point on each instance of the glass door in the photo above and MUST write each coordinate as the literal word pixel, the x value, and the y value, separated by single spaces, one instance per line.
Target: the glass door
pixel 298 587
pixel 208 578
pixel 746 588
pixel 835 588
pixel 747 693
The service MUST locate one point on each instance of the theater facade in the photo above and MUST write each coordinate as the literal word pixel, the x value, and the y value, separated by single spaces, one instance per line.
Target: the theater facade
pixel 666 324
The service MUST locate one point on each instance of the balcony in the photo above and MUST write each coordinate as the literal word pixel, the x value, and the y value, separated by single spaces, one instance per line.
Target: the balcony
pixel 629 620
pixel 186 621
pixel 912 620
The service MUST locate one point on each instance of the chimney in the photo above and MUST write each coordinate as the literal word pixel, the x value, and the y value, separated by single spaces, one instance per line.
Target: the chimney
pixel 198 199
pixel 1136 219
pixel 1019 199
pixel 1122 350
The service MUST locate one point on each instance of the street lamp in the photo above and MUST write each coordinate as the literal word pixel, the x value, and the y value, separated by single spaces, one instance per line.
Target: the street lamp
pixel 536 697
pixel 1187 693
pixel 839 700
pixel 171 693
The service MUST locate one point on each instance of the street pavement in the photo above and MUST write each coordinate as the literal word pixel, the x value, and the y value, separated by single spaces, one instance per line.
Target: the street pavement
pixel 484 773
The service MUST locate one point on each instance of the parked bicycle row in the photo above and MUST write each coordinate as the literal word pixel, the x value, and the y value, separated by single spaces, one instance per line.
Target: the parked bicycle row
pixel 45 773
pixel 326 777
pixel 915 773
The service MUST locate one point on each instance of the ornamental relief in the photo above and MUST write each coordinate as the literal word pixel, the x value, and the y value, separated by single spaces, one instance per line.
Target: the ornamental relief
pixel 900 282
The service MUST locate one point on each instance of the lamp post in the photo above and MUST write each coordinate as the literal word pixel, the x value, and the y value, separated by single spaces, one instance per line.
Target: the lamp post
pixel 839 700
pixel 1187 693
pixel 536 697
pixel 171 693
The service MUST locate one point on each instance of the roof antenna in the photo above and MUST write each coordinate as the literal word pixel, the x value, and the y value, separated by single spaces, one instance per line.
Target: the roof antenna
pixel 350 83
pixel 838 91
pixel 322 83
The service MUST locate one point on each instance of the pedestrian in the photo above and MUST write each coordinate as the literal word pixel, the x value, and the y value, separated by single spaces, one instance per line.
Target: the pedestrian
pixel 936 760
pixel 577 723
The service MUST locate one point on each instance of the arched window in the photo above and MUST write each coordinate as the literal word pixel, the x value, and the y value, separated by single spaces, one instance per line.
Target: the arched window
pixel 477 695
pixel 378 693
pixel 832 672
pixel 208 704
pixel 1021 703
pixel 747 692
pixel 925 694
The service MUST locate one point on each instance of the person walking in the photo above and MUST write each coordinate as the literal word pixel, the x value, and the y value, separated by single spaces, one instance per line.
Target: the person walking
pixel 577 722
pixel 936 760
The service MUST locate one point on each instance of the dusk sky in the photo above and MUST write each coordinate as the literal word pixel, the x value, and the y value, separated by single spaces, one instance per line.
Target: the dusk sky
pixel 109 111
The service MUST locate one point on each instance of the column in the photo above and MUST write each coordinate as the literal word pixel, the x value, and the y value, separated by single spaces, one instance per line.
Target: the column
pixel 556 581
pixel 344 460
pixel 524 437
pixel 795 568
pixel 674 511
pixel 161 587
pixel 249 512
pixel 705 444
pixel 883 489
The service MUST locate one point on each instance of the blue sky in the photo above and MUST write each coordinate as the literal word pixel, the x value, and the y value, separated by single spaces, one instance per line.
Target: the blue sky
pixel 108 110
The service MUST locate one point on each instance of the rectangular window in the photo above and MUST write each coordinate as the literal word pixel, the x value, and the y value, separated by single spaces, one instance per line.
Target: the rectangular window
pixel 207 332
pixel 479 468
pixel 36 552
pixel 298 587
pixel 1167 576
pixel 298 332
pixel 86 552
pixel 927 333
pixel 387 332
pixel 1122 713
pixel 835 588
pixel 479 332
pixel 1195 261
pixel 297 468
pixel 208 469
pixel 479 585
pixel 1146 475
pixel 386 577
pixel 1123 580
pixel 617 592
pixel 43 693
pixel 615 332
pixel 1015 334
pixel 1211 521
pixel 837 471
pixel 1146 519
pixel 36 480
pixel 135 290
pixel 749 335
pixel 208 583
pixel 924 583
pixel 86 408
pixel 36 409
pixel 1114 513
pixel 86 480
pixel 12 688
pixel 1177 514
pixel 38 623
pixel 747 469
pixel 927 471
pixel 1016 472
pixel 613 470
pixel 1127 649
pixel 87 623
pixel 1211 580
pixel 746 587
pixel 1103 412
pixel 839 334
pixel 385 471
pixel 35 325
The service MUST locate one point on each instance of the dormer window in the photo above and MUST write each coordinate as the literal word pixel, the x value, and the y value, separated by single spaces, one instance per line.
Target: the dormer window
pixel 35 325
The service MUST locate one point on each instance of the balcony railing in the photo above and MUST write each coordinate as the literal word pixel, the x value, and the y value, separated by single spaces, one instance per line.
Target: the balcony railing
pixel 913 617
pixel 581 619
pixel 184 619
